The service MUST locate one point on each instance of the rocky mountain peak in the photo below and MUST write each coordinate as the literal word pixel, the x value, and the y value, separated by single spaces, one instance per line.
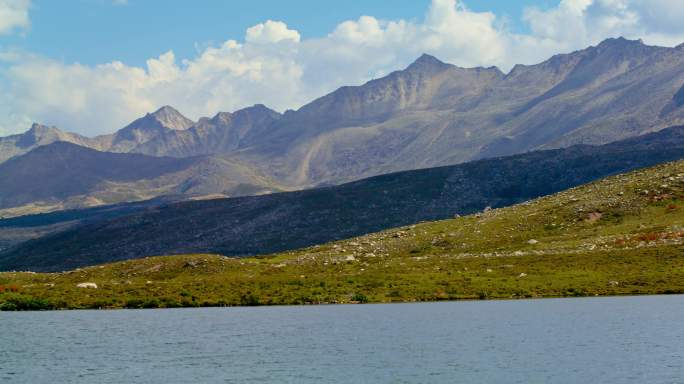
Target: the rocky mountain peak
pixel 257 110
pixel 619 42
pixel 38 134
pixel 40 129
pixel 427 63
pixel 222 117
pixel 170 118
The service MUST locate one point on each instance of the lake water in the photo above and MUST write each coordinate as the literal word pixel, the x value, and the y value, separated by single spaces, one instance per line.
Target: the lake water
pixel 589 340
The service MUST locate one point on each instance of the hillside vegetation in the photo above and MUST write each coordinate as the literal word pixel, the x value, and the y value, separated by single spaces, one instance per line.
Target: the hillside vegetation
pixel 620 235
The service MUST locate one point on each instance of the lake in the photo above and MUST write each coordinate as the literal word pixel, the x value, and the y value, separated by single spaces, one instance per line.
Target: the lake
pixel 586 340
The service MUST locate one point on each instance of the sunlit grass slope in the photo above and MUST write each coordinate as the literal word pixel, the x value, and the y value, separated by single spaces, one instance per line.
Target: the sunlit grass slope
pixel 621 235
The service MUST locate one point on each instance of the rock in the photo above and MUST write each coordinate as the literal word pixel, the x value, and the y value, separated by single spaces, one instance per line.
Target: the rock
pixel 87 285
pixel 594 217
pixel 532 241
pixel 613 283
pixel 523 274
pixel 350 258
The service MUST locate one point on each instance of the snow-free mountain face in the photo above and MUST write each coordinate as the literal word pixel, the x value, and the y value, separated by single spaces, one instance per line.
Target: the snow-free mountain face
pixel 429 114
pixel 142 130
pixel 151 126
pixel 37 136
pixel 223 133
pixel 63 175
pixel 436 114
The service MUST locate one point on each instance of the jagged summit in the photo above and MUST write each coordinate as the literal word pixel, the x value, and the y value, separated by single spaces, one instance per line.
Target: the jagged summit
pixel 38 130
pixel 427 62
pixel 255 110
pixel 169 117
pixel 619 42
pixel 40 134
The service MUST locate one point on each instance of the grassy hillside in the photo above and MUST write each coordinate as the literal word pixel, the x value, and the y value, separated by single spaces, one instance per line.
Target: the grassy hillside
pixel 620 235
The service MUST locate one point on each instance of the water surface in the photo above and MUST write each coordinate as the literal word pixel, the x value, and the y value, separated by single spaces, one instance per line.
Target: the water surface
pixel 611 340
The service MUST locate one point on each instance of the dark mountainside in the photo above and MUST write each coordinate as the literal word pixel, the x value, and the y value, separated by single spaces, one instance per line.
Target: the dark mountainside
pixel 16 230
pixel 283 221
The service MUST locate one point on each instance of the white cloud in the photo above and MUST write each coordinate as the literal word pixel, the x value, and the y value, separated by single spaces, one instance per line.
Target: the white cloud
pixel 271 32
pixel 14 14
pixel 274 65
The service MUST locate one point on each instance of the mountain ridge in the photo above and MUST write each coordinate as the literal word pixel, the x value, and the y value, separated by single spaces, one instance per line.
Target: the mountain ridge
pixel 428 114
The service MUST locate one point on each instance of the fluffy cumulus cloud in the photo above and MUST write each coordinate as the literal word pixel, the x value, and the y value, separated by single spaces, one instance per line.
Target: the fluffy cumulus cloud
pixel 274 65
pixel 271 32
pixel 14 15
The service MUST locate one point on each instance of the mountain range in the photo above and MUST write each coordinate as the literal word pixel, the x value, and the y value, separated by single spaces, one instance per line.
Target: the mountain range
pixel 283 221
pixel 429 114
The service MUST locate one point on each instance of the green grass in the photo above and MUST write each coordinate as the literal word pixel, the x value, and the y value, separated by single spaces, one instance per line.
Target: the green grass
pixel 623 235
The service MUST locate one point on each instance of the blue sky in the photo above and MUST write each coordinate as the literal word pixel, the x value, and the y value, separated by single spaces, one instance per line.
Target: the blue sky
pixel 96 31
pixel 92 66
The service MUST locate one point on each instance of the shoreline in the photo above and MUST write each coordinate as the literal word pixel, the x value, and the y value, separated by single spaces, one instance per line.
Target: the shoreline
pixel 495 299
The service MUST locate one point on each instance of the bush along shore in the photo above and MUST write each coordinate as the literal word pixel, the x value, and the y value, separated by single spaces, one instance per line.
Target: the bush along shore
pixel 623 235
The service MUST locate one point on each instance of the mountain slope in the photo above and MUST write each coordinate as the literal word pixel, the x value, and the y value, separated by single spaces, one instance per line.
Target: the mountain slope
pixel 277 222
pixel 222 133
pixel 433 113
pixel 165 119
pixel 620 235
pixel 38 135
pixel 64 175
pixel 153 125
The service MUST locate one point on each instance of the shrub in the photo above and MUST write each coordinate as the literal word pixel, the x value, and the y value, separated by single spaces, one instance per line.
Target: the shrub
pixel 360 298
pixel 187 303
pixel 169 302
pixel 134 303
pixel 25 303
pixel 250 300
pixel 151 303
